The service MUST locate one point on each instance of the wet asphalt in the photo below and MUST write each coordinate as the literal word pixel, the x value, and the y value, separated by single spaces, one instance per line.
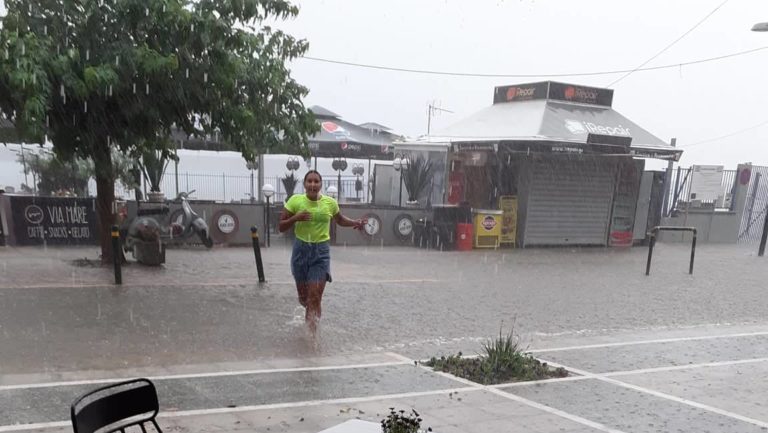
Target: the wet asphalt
pixel 60 320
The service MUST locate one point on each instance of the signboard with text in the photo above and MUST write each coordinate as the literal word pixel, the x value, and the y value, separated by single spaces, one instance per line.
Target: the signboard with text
pixel 580 94
pixel 53 220
pixel 520 92
pixel 553 90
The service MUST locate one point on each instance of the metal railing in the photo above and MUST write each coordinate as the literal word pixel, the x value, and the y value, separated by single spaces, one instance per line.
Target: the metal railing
pixel 654 233
pixel 680 191
pixel 237 188
pixel 756 206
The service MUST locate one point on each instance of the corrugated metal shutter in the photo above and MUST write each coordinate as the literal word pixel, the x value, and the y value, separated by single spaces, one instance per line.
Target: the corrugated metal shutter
pixel 569 201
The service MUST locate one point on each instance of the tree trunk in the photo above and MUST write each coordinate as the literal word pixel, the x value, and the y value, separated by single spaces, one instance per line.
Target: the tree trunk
pixel 105 197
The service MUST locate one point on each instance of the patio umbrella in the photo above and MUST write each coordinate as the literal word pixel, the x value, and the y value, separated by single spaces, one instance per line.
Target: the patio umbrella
pixel 341 139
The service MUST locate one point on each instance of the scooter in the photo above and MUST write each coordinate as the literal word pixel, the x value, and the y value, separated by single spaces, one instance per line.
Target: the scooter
pixel 186 223
pixel 145 237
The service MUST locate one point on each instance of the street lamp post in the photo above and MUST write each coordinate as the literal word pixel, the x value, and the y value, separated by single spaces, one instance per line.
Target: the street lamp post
pixel 401 163
pixel 358 170
pixel 252 165
pixel 334 193
pixel 339 164
pixel 268 190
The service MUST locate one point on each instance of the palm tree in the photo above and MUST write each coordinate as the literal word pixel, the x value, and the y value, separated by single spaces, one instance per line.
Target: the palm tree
pixel 416 177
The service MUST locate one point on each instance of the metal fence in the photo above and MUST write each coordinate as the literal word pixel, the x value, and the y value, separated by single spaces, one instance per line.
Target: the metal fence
pixel 757 204
pixel 231 188
pixel 680 191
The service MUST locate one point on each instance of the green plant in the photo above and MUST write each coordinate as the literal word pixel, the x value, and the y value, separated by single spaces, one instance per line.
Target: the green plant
pixel 502 361
pixel 153 164
pixel 94 76
pixel 503 352
pixel 289 183
pixel 54 175
pixel 417 177
pixel 402 422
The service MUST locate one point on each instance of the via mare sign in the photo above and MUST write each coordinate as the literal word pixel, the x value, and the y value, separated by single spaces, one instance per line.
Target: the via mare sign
pixel 53 220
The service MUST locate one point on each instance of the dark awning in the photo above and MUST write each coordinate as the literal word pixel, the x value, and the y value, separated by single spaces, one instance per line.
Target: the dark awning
pixel 341 139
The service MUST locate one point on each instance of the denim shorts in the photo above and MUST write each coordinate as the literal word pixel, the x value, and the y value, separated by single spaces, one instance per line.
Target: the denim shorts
pixel 311 262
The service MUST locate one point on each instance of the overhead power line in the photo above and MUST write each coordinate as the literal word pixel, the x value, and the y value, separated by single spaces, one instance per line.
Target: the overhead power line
pixel 731 134
pixel 546 75
pixel 670 44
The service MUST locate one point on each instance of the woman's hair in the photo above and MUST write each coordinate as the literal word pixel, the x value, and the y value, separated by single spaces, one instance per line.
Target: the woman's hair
pixel 313 172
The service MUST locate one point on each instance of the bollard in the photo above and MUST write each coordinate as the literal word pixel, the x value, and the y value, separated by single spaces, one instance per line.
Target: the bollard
pixel 693 252
pixel 116 255
pixel 651 244
pixel 257 253
pixel 764 237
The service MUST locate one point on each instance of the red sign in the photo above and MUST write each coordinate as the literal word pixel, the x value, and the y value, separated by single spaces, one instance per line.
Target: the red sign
pixel 455 187
pixel 744 176
pixel 330 126
pixel 621 239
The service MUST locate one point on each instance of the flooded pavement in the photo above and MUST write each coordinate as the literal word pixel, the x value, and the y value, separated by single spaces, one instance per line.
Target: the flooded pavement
pixel 668 352
pixel 206 306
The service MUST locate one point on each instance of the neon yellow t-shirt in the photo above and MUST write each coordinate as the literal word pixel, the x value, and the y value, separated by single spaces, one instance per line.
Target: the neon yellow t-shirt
pixel 318 229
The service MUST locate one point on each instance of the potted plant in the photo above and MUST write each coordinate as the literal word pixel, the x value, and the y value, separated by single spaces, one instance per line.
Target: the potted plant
pixel 289 183
pixel 400 421
pixel 153 164
pixel 416 177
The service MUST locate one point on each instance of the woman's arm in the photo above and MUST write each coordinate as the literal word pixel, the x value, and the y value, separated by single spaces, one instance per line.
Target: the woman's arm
pixel 343 221
pixel 287 219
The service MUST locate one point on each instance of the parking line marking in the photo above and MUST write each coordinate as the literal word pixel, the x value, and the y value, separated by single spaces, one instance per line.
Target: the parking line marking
pixel 493 390
pixel 685 367
pixel 665 396
pixel 308 403
pixel 639 342
pixel 224 410
pixel 201 375
pixel 192 284
pixel 35 426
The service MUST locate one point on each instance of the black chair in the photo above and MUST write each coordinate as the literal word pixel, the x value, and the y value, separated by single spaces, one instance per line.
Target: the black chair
pixel 116 407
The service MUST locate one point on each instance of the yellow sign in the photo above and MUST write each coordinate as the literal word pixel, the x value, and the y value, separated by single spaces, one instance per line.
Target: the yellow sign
pixel 508 205
pixel 487 228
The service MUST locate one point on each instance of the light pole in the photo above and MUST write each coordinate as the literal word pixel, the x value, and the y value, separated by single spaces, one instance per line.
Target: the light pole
pixel 358 170
pixel 401 164
pixel 339 164
pixel 334 193
pixel 762 27
pixel 252 165
pixel 292 165
pixel 268 191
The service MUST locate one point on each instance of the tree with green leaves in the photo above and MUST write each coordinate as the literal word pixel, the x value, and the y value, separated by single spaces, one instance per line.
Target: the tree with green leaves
pixel 54 175
pixel 96 75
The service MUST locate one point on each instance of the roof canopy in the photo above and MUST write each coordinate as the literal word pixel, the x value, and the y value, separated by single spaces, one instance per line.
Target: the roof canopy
pixel 339 138
pixel 549 115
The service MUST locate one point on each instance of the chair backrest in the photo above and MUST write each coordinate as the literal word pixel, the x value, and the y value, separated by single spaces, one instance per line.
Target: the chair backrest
pixel 115 407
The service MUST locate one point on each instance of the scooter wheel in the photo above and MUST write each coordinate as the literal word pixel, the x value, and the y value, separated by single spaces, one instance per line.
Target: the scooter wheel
pixel 207 241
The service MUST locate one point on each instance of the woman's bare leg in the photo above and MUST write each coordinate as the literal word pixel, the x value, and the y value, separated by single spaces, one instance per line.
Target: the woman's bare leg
pixel 314 307
pixel 303 291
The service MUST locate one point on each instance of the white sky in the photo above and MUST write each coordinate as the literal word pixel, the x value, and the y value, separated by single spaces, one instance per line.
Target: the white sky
pixel 691 103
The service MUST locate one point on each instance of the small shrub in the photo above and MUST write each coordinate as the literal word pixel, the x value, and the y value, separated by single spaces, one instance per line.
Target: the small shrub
pixel 402 422
pixel 503 361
